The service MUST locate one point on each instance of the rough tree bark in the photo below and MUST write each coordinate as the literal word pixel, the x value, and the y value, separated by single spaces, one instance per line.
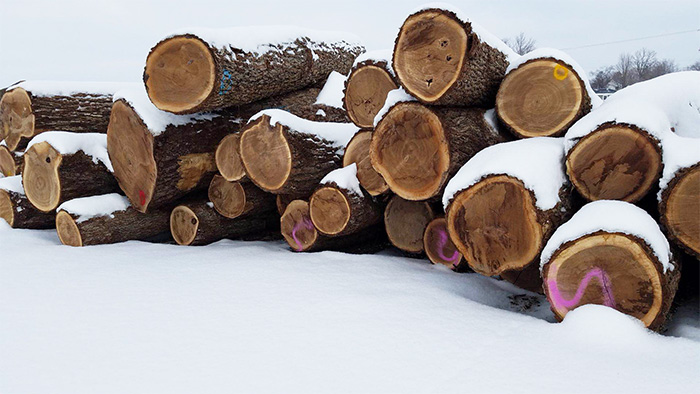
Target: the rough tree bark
pixel 16 209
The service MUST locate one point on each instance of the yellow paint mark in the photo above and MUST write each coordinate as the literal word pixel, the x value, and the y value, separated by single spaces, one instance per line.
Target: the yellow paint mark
pixel 560 72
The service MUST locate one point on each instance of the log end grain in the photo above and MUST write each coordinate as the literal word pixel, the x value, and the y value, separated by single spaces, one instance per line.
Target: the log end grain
pixel 357 152
pixel 184 224
pixel 228 158
pixel 297 228
pixel 8 166
pixel 329 210
pixel 405 222
pixel 67 229
pixel 7 211
pixel 16 117
pixel 365 93
pixel 40 176
pixel 266 154
pixel 438 246
pixel 680 209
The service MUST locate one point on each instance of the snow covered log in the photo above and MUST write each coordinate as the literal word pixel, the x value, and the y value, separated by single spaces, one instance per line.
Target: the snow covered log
pixel 32 107
pixel 16 209
pixel 206 69
pixel 301 235
pixel 107 219
pixel 10 162
pixel 367 86
pixel 416 148
pixel 505 203
pixel 60 166
pixel 679 194
pixel 615 152
pixel 611 253
pixel 543 94
pixel 234 199
pixel 357 152
pixel 405 222
pixel 197 223
pixel 340 207
pixel 439 247
pixel 442 58
pixel 285 154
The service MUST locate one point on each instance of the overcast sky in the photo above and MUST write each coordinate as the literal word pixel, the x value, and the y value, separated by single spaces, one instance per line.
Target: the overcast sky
pixel 109 40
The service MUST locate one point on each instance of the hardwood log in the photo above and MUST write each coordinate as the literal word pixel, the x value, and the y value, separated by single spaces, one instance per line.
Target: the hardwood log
pixel 405 222
pixel 417 149
pixel 284 154
pixel 205 69
pixel 328 106
pixel 234 199
pixel 10 162
pixel 60 166
pixel 16 209
pixel 439 247
pixel 357 151
pixel 107 219
pixel 443 59
pixel 371 79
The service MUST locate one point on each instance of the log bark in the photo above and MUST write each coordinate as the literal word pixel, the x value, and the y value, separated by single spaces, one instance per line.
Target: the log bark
pixel 234 199
pixel 16 209
pixel 357 151
pixel 405 222
pixel 679 208
pixel 366 89
pixel 10 162
pixel 301 235
pixel 441 60
pixel 542 97
pixel 417 149
pixel 197 71
pixel 197 223
pixel 439 247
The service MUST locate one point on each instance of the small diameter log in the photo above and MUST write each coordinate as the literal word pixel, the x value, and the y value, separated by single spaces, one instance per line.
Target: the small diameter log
pixel 16 209
pixel 439 247
pixel 197 223
pixel 679 204
pixel 32 107
pixel 60 166
pixel 283 201
pixel 611 263
pixel 340 207
pixel 107 219
pixel 542 96
pixel 441 59
pixel 204 70
pixel 284 154
pixel 234 199
pixel 357 152
pixel 405 222
pixel 417 149
pixel 10 162
pixel 367 86
pixel 301 235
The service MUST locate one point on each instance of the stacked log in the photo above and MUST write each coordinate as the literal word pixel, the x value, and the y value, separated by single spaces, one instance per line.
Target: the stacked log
pixel 370 80
pixel 16 209
pixel 438 246
pixel 614 254
pixel 234 199
pixel 405 222
pixel 357 152
pixel 10 162
pixel 328 106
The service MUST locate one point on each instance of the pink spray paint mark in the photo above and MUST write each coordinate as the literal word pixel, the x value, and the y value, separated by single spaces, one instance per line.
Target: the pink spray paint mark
pixel 608 299
pixel 442 241
pixel 306 223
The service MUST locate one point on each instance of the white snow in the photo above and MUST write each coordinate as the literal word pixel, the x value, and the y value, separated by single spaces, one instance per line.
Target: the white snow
pixel 66 88
pixel 345 178
pixel 12 184
pixel 332 92
pixel 611 216
pixel 541 53
pixel 381 55
pixel 678 153
pixel 96 206
pixel 321 112
pixel 155 119
pixel 537 162
pixel 255 317
pixel 338 134
pixel 392 98
pixel 492 119
pixel 66 143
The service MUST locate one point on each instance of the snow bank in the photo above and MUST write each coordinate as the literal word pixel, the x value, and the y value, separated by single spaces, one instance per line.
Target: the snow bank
pixel 537 162
pixel 67 88
pixel 66 143
pixel 392 98
pixel 542 53
pixel 95 206
pixel 678 153
pixel 338 134
pixel 155 119
pixel 345 177
pixel 12 184
pixel 381 55
pixel 333 91
pixel 613 217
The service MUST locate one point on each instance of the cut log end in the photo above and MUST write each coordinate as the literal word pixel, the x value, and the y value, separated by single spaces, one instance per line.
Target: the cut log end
pixel 357 152
pixel 405 222
pixel 180 74
pixel 365 93
pixel 494 225
pixel 541 98
pixel 615 163
pixel 228 158
pixel 184 224
pixel 42 184
pixel 681 212
pixel 438 246
pixel 296 226
pixel 8 166
pixel 429 53
pixel 410 151
pixel 329 210
pixel 229 198
pixel 609 269
pixel 7 211
pixel 16 117
pixel 266 154
pixel 130 147
pixel 67 229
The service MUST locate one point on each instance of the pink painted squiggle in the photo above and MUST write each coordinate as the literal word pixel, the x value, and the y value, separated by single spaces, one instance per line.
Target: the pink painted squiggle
pixel 442 241
pixel 608 298
pixel 306 223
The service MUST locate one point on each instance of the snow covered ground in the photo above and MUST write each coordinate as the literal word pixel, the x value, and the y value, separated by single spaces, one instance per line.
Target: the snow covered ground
pixel 254 317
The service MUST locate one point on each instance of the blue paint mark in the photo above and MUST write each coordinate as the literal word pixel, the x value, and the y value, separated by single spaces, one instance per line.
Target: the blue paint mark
pixel 226 83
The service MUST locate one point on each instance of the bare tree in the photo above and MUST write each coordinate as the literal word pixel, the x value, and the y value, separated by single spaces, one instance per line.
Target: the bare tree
pixel 602 78
pixel 521 44
pixel 694 67
pixel 644 61
pixel 624 71
pixel 662 67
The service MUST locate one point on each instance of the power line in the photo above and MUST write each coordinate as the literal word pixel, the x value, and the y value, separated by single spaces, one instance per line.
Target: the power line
pixel 633 39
